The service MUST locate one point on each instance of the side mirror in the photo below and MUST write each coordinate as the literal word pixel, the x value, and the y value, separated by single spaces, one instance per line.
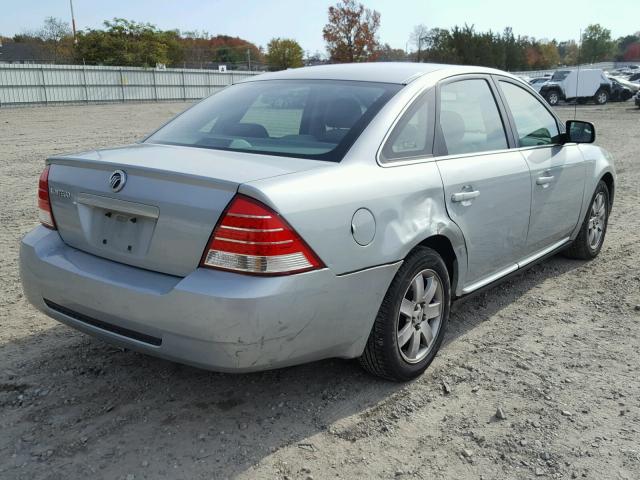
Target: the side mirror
pixel 580 132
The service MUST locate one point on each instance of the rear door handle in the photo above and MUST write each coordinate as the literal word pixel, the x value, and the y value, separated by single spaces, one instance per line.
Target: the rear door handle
pixel 544 180
pixel 464 196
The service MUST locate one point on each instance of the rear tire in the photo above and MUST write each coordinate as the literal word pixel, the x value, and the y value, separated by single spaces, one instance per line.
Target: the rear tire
pixel 601 97
pixel 412 319
pixel 589 241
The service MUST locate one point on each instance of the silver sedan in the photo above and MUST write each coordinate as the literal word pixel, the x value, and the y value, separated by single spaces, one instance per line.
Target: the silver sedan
pixel 331 211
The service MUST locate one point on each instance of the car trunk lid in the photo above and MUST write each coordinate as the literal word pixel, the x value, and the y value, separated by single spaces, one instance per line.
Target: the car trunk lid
pixel 169 202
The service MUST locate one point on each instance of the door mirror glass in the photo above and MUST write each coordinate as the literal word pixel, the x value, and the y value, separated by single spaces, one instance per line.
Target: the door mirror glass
pixel 580 132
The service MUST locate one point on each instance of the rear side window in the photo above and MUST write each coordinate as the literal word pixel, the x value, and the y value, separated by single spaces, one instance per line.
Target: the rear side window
pixel 469 118
pixel 413 135
pixel 534 123
pixel 317 119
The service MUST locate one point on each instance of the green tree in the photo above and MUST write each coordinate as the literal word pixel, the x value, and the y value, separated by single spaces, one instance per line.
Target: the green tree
pixel 549 55
pixel 514 57
pixel 283 53
pixel 439 46
pixel 388 54
pixel 234 51
pixel 568 51
pixel 596 44
pixel 124 42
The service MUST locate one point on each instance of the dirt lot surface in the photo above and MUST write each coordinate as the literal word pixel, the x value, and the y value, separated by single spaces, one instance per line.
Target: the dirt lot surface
pixel 554 351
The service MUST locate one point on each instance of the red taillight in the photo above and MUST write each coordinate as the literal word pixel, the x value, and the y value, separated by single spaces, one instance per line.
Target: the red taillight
pixel 44 204
pixel 252 238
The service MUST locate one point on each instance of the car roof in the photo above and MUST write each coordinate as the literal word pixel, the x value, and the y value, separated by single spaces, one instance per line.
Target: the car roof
pixel 384 72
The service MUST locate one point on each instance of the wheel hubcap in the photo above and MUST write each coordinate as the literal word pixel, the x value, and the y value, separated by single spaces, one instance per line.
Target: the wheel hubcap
pixel 420 316
pixel 602 98
pixel 597 221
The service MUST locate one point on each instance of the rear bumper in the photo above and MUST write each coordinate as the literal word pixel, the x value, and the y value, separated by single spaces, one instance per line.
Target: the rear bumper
pixel 211 319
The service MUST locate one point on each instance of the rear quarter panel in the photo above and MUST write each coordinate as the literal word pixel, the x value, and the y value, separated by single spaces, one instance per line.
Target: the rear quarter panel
pixel 406 201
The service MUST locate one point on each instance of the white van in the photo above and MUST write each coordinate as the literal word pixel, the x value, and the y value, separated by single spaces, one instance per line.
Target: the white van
pixel 581 85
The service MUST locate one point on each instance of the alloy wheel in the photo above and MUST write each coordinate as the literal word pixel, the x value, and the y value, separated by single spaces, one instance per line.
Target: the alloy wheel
pixel 420 316
pixel 597 221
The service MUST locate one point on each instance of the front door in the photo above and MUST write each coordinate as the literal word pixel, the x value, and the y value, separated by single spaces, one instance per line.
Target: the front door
pixel 557 171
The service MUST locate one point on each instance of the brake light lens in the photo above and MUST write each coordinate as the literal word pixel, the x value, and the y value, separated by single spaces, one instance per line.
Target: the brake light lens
pixel 252 238
pixel 44 203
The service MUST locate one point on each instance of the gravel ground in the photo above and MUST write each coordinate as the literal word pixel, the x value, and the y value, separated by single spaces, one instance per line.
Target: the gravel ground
pixel 538 377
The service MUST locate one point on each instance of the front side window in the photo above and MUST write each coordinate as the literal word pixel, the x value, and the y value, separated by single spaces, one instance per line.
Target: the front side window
pixel 534 123
pixel 469 118
pixel 308 119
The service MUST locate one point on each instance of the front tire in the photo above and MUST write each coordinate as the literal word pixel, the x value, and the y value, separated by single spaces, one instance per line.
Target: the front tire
pixel 412 319
pixel 589 241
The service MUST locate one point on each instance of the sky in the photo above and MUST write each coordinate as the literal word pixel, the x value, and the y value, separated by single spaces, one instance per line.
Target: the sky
pixel 260 20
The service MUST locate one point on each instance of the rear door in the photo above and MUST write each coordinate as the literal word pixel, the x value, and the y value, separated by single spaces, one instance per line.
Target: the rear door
pixel 557 171
pixel 487 186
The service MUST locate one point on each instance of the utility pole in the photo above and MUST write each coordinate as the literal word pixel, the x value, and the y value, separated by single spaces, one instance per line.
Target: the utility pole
pixel 249 58
pixel 73 22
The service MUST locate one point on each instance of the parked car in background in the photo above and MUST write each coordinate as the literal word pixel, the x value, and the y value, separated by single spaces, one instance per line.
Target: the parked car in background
pixel 635 77
pixel 579 84
pixel 619 92
pixel 627 71
pixel 537 83
pixel 633 86
pixel 330 211
pixel 637 99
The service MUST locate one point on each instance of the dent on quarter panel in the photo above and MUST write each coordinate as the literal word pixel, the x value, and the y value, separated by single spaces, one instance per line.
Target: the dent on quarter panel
pixel 406 201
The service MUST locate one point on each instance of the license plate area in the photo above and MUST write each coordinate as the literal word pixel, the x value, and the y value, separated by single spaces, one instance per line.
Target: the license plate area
pixel 122 232
pixel 115 226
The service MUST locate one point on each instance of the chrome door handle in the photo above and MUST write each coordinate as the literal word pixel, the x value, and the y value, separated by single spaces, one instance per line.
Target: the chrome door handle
pixel 464 196
pixel 544 180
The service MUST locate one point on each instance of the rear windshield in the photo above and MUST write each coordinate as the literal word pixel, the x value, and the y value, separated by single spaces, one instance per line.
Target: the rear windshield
pixel 308 119
pixel 560 75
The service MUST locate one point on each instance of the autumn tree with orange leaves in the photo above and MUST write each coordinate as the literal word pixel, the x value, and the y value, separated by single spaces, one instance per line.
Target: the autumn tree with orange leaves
pixel 351 32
